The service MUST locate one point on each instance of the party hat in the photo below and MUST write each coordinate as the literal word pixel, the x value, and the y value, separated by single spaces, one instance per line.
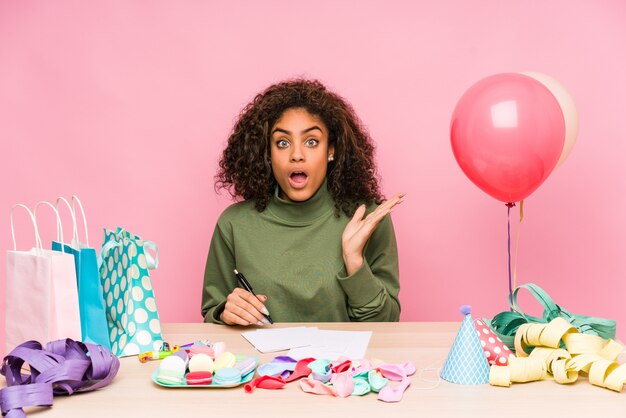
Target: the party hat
pixel 466 363
pixel 496 352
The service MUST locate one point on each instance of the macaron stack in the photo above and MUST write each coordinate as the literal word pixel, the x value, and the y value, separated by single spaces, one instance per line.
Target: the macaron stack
pixel 203 365
pixel 233 371
pixel 230 371
pixel 172 369
pixel 201 368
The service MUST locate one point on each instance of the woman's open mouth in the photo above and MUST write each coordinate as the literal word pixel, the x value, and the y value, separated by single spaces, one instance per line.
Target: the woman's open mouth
pixel 298 179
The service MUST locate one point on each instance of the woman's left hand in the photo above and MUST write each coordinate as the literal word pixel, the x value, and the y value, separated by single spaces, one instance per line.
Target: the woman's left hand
pixel 358 231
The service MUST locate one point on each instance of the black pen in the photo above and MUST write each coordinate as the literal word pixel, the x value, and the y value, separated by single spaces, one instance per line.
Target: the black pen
pixel 247 286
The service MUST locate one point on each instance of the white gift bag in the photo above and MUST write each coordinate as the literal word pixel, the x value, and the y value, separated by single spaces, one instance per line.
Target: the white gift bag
pixel 41 291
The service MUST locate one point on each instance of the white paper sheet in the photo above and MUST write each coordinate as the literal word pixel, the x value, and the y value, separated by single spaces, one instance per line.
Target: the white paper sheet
pixel 310 342
pixel 278 339
pixel 332 345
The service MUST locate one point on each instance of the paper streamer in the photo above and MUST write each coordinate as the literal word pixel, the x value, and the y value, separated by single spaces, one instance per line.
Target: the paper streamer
pixel 539 355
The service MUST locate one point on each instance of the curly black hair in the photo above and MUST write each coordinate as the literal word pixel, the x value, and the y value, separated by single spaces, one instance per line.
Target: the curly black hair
pixel 245 170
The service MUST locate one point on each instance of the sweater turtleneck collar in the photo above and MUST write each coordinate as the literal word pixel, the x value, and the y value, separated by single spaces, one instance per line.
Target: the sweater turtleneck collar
pixel 302 213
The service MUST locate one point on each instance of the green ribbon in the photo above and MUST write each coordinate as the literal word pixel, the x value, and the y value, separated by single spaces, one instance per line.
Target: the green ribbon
pixel 505 324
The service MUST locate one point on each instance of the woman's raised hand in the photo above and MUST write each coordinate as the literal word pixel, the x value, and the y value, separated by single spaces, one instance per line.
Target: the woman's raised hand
pixel 360 229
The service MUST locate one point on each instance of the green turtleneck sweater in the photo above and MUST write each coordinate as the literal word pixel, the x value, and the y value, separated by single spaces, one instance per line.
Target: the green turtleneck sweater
pixel 291 252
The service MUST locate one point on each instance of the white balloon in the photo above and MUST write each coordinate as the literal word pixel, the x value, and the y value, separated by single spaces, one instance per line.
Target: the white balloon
pixel 568 107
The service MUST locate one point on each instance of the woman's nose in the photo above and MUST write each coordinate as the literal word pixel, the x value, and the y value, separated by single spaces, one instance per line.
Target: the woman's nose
pixel 296 154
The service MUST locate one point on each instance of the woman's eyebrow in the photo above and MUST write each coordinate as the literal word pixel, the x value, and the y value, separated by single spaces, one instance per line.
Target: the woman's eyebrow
pixel 312 128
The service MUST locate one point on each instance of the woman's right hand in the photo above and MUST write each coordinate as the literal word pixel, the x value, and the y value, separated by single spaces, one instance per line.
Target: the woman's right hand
pixel 243 308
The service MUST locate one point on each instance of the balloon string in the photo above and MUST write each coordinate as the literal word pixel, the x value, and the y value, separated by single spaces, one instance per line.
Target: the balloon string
pixel 508 230
pixel 519 233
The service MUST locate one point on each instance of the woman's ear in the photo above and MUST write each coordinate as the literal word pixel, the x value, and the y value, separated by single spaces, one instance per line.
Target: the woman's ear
pixel 331 153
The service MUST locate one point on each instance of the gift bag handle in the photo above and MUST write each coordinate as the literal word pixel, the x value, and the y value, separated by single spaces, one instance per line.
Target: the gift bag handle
pixel 72 209
pixel 108 246
pixel 75 200
pixel 32 219
pixel 74 242
pixel 59 224
pixel 151 261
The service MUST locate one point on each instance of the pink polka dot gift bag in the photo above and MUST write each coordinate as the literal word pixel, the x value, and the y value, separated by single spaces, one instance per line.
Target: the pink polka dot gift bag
pixel 133 319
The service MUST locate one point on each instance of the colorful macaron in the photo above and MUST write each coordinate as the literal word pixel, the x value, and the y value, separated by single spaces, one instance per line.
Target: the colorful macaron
pixel 225 360
pixel 201 349
pixel 247 365
pixel 227 376
pixel 171 371
pixel 201 363
pixel 199 378
pixel 218 348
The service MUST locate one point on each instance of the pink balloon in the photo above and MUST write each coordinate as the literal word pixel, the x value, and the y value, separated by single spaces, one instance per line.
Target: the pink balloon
pixel 507 134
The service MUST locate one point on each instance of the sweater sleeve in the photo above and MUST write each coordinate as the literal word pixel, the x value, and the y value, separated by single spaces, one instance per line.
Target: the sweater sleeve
pixel 219 265
pixel 373 289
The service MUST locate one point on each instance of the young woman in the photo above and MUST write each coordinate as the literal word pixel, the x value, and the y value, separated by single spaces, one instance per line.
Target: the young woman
pixel 310 234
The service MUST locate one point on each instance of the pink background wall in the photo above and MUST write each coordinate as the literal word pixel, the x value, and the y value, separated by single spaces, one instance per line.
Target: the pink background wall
pixel 128 104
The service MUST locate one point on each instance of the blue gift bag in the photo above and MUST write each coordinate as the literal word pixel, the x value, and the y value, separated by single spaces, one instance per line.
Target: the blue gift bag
pixel 132 315
pixel 93 322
